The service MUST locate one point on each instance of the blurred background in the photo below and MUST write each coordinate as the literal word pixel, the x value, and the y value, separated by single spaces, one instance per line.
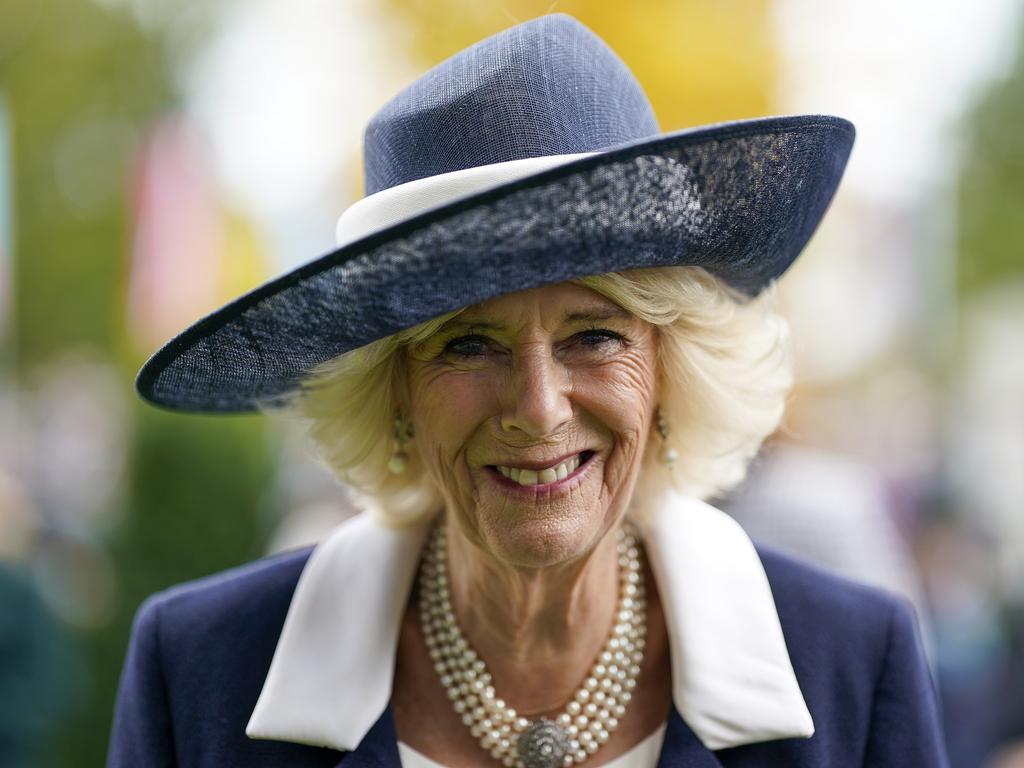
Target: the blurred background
pixel 158 158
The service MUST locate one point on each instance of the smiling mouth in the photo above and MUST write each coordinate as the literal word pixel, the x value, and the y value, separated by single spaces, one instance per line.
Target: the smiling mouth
pixel 530 477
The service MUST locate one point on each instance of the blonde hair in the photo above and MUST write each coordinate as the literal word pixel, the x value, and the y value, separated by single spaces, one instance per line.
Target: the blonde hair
pixel 724 368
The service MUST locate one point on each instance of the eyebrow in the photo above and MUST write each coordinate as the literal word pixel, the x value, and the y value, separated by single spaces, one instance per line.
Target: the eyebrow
pixel 596 315
pixel 580 316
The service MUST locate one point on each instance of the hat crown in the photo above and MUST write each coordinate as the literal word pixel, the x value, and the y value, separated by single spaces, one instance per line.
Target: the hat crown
pixel 548 86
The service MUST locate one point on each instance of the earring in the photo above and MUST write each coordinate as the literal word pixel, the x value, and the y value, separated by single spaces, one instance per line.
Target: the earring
pixel 399 458
pixel 668 454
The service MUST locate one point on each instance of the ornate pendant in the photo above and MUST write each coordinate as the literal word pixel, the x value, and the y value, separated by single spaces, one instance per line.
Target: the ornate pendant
pixel 543 745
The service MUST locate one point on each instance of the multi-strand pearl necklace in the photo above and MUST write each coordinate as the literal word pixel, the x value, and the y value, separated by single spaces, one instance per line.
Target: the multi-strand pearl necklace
pixel 596 707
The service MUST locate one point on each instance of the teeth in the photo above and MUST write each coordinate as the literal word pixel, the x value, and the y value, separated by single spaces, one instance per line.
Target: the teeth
pixel 544 476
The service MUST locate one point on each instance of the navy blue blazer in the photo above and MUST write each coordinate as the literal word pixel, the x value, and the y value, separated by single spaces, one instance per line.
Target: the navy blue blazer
pixel 200 652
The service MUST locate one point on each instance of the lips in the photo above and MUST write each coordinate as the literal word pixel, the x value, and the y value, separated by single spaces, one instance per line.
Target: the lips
pixel 558 471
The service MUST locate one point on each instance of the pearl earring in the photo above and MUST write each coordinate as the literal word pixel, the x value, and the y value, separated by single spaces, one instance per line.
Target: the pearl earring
pixel 399 458
pixel 668 454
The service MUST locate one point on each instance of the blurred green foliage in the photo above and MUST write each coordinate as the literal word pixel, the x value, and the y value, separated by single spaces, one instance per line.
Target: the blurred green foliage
pixel 197 504
pixel 82 82
pixel 990 195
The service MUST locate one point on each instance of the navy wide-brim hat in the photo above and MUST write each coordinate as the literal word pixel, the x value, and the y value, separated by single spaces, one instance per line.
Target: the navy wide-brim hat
pixel 531 158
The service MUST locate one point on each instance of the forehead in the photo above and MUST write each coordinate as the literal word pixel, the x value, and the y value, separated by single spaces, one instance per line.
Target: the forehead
pixel 548 305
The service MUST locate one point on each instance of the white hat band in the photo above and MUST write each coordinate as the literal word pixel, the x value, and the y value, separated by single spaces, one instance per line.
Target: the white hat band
pixel 390 206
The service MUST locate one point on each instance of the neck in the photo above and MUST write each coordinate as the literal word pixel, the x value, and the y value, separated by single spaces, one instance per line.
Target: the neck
pixel 538 630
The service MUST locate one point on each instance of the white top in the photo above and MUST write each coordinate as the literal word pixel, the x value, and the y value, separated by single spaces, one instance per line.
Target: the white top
pixel 643 755
pixel 732 679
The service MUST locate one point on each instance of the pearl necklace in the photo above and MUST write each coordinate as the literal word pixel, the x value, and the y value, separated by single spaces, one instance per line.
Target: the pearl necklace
pixel 597 706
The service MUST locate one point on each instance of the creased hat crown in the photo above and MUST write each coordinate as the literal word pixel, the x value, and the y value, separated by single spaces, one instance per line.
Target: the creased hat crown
pixel 546 87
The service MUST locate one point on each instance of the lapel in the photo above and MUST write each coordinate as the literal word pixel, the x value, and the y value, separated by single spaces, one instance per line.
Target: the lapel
pixel 682 748
pixel 379 747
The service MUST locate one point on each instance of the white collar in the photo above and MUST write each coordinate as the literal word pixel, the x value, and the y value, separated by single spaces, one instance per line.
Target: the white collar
pixel 732 679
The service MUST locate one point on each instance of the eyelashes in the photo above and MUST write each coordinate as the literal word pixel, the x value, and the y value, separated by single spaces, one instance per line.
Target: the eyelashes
pixel 594 337
pixel 474 346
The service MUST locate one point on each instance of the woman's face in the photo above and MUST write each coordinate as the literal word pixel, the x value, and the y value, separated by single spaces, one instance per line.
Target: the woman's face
pixel 531 412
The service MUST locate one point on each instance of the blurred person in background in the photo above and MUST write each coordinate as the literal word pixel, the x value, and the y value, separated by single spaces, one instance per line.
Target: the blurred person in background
pixel 36 659
pixel 545 336
pixel 830 510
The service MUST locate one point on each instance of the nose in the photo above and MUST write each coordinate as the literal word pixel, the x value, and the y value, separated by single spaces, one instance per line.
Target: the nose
pixel 537 401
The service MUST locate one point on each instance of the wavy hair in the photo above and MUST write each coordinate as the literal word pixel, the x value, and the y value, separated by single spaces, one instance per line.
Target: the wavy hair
pixel 723 362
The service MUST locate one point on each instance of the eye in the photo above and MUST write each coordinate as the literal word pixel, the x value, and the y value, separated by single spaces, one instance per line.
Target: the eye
pixel 598 337
pixel 467 346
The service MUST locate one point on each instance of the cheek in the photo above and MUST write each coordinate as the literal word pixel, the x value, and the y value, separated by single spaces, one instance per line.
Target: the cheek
pixel 624 401
pixel 446 410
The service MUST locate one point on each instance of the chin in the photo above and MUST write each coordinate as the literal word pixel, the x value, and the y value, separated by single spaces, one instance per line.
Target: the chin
pixel 553 538
pixel 532 547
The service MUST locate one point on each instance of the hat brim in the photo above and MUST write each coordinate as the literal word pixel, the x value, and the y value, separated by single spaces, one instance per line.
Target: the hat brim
pixel 739 199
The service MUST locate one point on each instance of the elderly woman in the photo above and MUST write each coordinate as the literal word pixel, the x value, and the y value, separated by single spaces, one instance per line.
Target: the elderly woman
pixel 545 336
